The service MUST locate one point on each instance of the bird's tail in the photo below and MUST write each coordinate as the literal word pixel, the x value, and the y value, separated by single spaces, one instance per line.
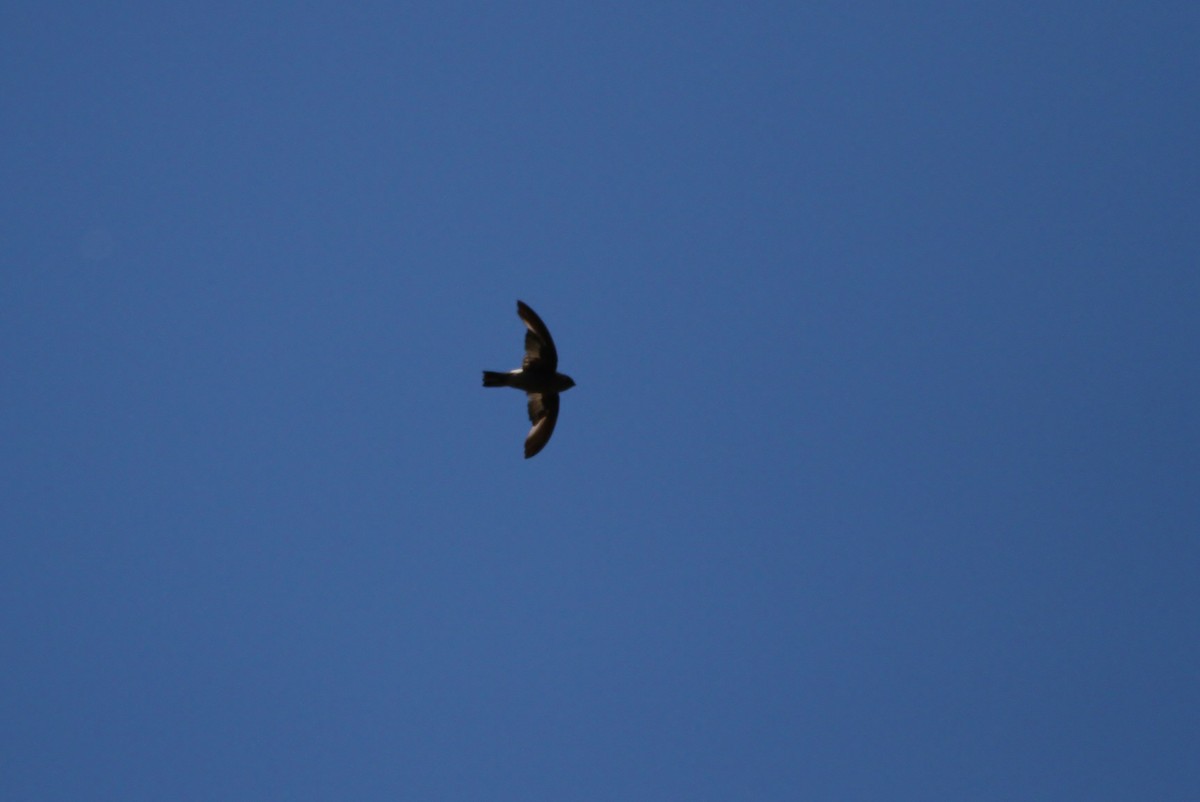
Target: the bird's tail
pixel 493 379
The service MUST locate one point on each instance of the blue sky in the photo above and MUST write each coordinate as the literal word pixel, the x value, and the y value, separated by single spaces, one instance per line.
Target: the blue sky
pixel 880 480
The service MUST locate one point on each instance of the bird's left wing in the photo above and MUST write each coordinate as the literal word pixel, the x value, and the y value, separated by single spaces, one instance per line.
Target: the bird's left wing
pixel 543 414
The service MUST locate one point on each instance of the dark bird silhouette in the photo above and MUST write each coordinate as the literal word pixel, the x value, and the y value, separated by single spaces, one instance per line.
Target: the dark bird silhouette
pixel 538 377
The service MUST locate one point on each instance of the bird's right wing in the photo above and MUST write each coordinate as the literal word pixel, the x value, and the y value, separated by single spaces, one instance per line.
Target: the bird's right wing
pixel 540 353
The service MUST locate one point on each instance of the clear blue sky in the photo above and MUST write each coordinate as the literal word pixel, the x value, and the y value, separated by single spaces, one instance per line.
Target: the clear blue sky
pixel 882 475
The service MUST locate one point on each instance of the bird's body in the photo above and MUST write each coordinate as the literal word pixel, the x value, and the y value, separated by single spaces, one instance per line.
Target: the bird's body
pixel 538 378
pixel 528 381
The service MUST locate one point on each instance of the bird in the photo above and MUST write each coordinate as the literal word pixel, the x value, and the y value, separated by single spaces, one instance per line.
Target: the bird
pixel 538 377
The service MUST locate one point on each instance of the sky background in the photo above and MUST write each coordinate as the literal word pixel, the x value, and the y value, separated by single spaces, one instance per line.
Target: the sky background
pixel 880 480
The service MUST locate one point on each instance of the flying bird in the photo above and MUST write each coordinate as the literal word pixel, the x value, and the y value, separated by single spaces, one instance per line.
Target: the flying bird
pixel 538 377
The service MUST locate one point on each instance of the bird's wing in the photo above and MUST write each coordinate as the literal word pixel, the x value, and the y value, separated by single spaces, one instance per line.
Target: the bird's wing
pixel 540 353
pixel 543 414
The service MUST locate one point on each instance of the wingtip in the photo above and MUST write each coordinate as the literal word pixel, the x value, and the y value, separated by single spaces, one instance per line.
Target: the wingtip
pixel 533 444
